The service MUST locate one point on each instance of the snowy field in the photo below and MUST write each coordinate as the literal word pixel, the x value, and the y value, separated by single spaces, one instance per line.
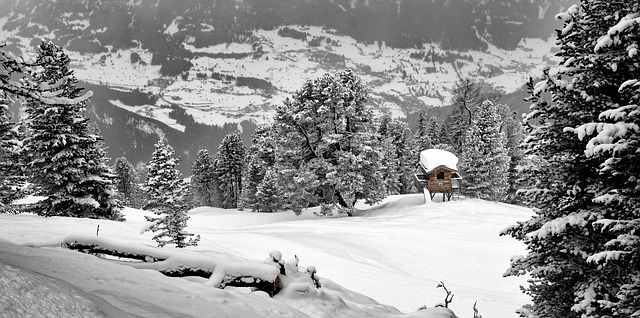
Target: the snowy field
pixel 396 253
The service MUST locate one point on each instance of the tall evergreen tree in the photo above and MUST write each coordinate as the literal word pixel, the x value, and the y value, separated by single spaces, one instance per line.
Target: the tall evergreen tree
pixel 126 180
pixel 422 137
pixel 328 149
pixel 260 158
pixel 11 178
pixel 485 162
pixel 167 193
pixel 229 165
pixel 268 194
pixel 514 136
pixel 583 242
pixel 203 178
pixel 65 160
pixel 465 100
pixel 389 167
pixel 434 130
pixel 403 155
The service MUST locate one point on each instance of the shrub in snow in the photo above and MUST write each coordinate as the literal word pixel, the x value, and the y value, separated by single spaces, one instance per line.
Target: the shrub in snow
pixel 328 151
pixel 64 157
pixel 167 193
pixel 584 241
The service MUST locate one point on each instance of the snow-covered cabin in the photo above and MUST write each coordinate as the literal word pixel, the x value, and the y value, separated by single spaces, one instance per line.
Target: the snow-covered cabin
pixel 437 172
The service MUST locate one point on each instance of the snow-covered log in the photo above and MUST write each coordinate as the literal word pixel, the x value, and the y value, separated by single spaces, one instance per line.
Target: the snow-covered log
pixel 180 264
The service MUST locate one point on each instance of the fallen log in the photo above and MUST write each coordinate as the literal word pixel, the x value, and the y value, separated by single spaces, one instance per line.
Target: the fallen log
pixel 97 250
pixel 175 264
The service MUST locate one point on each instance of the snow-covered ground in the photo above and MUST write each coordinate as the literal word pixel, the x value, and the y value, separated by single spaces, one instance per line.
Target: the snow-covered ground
pixel 395 253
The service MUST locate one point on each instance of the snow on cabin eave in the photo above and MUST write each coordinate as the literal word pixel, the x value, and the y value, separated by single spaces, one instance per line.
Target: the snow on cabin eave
pixel 427 171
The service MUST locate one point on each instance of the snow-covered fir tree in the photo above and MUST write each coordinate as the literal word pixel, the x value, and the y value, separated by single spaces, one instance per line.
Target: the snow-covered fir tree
pixel 65 159
pixel 584 241
pixel 203 178
pixel 515 136
pixel 126 181
pixel 167 195
pixel 422 137
pixel 396 135
pixel 389 167
pixel 327 146
pixel 12 67
pixel 229 166
pixel 466 96
pixel 484 161
pixel 11 176
pixel 434 130
pixel 260 158
pixel 268 194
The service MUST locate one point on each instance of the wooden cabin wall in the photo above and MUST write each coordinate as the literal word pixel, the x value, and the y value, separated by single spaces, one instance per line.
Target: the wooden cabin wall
pixel 432 176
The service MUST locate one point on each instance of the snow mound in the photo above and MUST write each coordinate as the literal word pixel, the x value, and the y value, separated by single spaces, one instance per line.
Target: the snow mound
pixel 24 293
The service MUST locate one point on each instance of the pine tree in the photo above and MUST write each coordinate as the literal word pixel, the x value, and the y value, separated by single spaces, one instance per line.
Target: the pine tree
pixel 583 242
pixel 260 157
pixel 485 162
pixel 65 159
pixel 11 178
pixel 422 138
pixel 203 178
pixel 229 166
pixel 268 194
pixel 126 180
pixel 466 95
pixel 167 191
pixel 434 130
pixel 397 135
pixel 514 136
pixel 12 67
pixel 328 149
pixel 389 167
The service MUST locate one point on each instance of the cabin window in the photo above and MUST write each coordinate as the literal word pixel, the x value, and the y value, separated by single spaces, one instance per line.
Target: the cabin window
pixel 440 175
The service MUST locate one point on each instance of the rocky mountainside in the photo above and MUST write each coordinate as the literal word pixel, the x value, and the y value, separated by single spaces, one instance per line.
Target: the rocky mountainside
pixel 190 70
pixel 90 25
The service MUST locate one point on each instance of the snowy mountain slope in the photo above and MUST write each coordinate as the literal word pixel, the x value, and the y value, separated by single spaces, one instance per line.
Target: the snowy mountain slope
pixel 396 253
pixel 234 86
pixel 231 82
pixel 227 64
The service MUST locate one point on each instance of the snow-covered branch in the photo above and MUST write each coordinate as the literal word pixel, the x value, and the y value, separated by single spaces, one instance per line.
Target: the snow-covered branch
pixel 612 36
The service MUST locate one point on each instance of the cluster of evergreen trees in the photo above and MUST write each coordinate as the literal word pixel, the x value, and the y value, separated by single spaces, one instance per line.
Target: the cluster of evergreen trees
pixel 326 148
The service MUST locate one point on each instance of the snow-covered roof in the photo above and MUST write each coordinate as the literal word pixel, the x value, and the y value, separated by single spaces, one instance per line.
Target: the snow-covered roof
pixel 431 159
